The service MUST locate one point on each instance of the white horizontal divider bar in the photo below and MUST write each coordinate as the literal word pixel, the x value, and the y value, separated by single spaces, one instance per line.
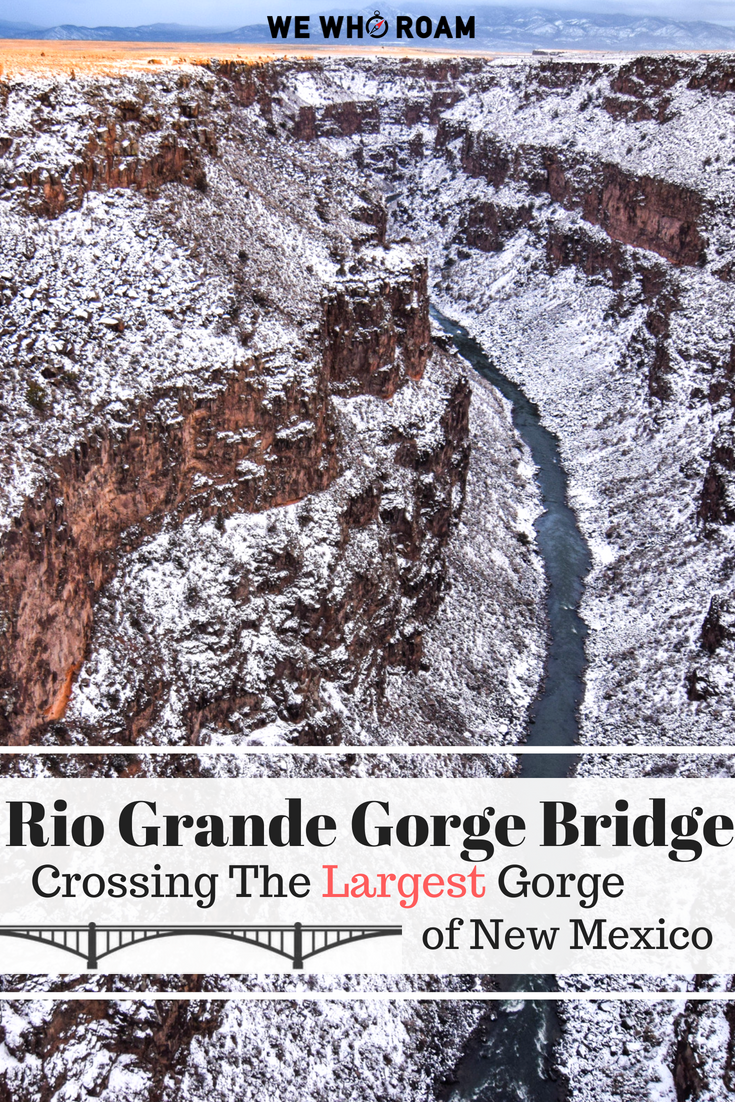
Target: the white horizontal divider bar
pixel 368 996
pixel 345 749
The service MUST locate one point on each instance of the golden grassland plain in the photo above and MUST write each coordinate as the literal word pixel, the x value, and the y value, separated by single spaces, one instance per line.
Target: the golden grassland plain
pixel 44 57
pixel 18 56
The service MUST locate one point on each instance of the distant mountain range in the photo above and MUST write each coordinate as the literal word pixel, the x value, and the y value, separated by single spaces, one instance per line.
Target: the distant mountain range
pixel 496 28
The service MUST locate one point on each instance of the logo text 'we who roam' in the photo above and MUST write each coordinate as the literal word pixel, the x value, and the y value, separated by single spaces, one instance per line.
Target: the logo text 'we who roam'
pixel 375 26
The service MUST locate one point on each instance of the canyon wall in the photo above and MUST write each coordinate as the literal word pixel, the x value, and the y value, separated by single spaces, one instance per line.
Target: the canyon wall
pixel 263 439
pixel 576 217
pixel 575 213
pixel 251 426
pixel 198 308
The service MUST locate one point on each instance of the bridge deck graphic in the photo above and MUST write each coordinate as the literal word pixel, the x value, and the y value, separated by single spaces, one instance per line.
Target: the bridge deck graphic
pixel 296 943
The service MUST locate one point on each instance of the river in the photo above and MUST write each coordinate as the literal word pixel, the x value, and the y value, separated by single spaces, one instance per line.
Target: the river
pixel 509 1058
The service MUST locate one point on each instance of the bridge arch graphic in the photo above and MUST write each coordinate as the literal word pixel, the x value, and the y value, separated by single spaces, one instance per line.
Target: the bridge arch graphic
pixel 297 942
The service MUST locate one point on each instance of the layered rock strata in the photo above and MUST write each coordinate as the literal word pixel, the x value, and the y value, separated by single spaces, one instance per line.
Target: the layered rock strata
pixel 575 213
pixel 234 465
pixel 576 218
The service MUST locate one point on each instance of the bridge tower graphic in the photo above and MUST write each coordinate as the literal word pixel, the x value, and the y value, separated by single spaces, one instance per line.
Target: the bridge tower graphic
pixel 296 942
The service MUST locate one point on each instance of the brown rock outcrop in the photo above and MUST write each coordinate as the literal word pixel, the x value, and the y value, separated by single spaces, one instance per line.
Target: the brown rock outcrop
pixel 489 225
pixel 390 519
pixel 105 166
pixel 591 253
pixel 157 1050
pixel 718 624
pixel 717 501
pixel 63 547
pixel 638 210
pixel 131 146
pixel 641 211
pixel 260 439
pixel 365 329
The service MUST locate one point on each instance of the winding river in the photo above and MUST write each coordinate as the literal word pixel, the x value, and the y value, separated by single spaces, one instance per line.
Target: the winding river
pixel 510 1057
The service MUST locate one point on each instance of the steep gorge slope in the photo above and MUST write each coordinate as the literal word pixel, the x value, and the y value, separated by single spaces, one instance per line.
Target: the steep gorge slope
pixel 204 325
pixel 576 215
pixel 244 494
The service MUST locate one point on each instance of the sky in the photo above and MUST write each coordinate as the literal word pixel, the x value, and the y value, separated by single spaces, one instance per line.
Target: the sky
pixel 229 14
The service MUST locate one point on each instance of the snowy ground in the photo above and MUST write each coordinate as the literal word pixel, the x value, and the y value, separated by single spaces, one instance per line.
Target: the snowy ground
pixel 128 297
pixel 639 448
pixel 583 349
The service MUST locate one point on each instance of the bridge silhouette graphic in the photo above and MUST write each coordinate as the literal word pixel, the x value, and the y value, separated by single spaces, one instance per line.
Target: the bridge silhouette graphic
pixel 297 942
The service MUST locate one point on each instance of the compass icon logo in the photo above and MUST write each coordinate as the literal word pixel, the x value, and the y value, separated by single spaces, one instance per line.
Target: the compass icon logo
pixel 377 25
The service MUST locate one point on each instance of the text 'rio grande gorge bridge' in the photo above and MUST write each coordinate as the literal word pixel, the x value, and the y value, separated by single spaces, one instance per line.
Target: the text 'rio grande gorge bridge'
pixel 297 943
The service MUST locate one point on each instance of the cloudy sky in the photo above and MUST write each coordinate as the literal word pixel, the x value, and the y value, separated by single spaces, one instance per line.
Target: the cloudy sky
pixel 229 14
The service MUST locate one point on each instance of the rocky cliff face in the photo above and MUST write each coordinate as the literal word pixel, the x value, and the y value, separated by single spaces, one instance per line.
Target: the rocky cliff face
pixel 167 1050
pixel 193 347
pixel 241 426
pixel 575 214
pixel 576 218
pixel 234 473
